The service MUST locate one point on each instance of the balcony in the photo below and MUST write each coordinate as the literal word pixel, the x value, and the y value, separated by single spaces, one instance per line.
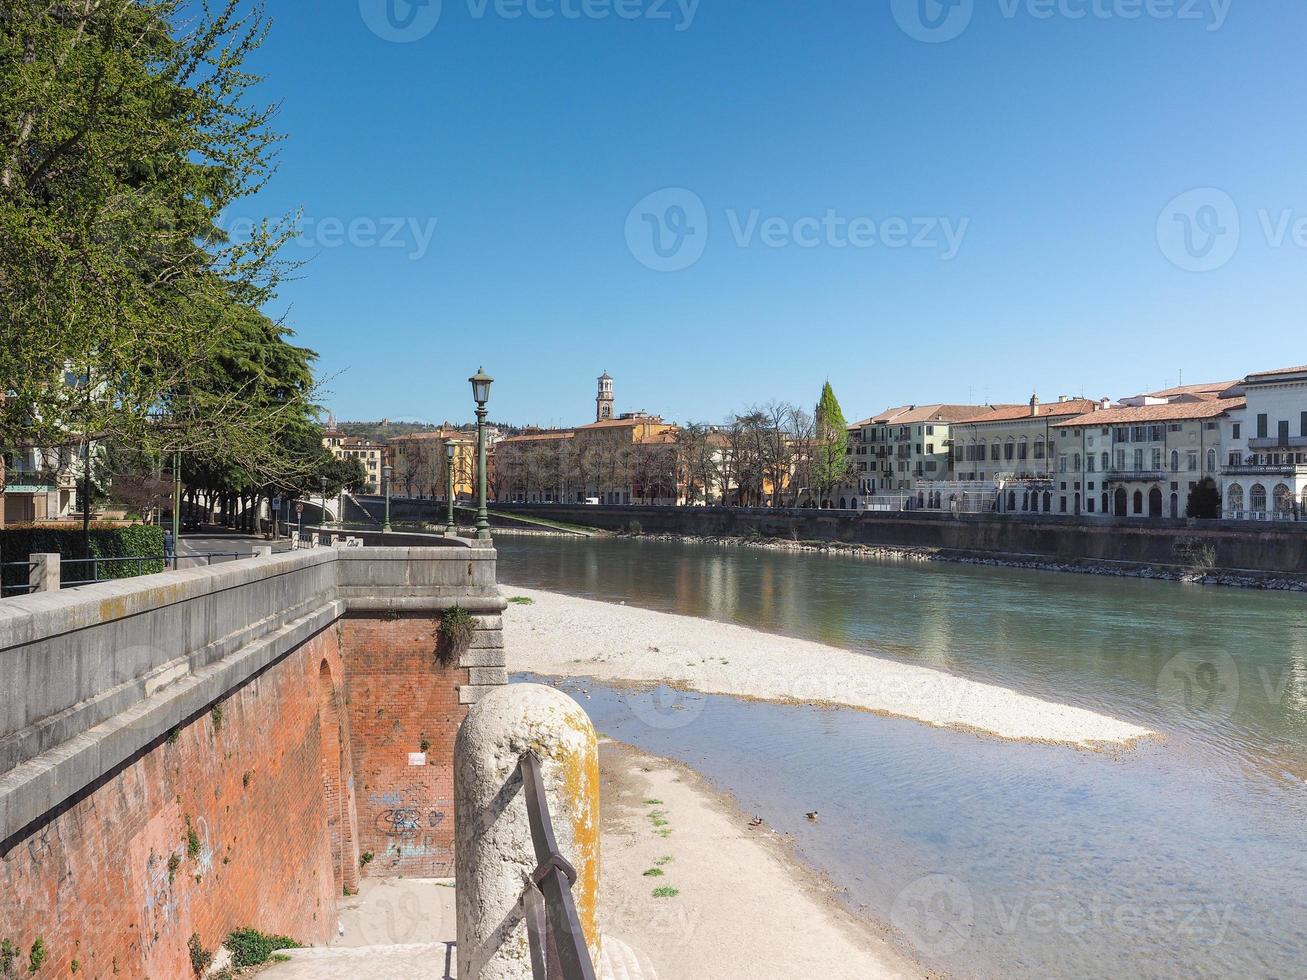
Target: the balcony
pixel 1257 469
pixel 1138 476
pixel 1275 442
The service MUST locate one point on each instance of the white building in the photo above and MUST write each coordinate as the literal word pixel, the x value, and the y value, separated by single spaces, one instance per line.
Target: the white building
pixel 1264 476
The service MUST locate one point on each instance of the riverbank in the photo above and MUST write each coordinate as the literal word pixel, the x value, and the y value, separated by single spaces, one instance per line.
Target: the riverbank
pixel 686 880
pixel 559 635
pixel 1191 574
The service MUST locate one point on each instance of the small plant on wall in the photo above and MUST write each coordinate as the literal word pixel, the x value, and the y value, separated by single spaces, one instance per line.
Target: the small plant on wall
pixel 454 634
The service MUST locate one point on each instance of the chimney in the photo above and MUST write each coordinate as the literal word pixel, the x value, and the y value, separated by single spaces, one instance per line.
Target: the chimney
pixel 1062 398
pixel 1105 404
pixel 1034 405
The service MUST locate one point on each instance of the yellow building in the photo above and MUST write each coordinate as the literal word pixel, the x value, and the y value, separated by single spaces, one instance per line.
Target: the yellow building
pixel 420 461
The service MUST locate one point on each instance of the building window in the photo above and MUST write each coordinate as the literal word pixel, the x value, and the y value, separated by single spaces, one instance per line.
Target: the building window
pixel 1139 460
pixel 1039 449
pixel 1302 425
pixel 1284 432
pixel 1061 464
pixel 1090 463
pixel 1257 497
pixel 1261 426
pixel 1235 427
pixel 1175 462
pixel 1157 459
pixel 1234 499
pixel 1211 461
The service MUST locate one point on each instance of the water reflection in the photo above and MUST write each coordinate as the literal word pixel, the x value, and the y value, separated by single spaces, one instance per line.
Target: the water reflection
pixel 1221 671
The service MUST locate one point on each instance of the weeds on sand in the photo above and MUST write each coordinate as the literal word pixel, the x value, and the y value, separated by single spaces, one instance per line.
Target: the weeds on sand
pixel 666 892
pixel 522 600
pixel 654 873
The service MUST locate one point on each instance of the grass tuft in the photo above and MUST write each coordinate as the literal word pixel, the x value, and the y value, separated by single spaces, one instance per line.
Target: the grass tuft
pixel 666 892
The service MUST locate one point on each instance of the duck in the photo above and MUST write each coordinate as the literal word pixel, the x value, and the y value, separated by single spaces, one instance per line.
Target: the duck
pixel 811 815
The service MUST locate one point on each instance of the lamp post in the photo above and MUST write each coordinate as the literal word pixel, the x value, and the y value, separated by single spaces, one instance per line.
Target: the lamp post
pixel 481 394
pixel 450 526
pixel 385 476
pixel 322 487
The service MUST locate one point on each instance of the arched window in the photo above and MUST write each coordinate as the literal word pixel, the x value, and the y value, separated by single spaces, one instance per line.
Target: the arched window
pixel 1107 464
pixel 1175 461
pixel 1155 502
pixel 1048 502
pixel 1234 500
pixel 1211 461
pixel 1121 502
pixel 1303 510
pixel 1075 463
pixel 1139 502
pixel 1104 500
pixel 1257 498
pixel 1011 500
pixel 1283 500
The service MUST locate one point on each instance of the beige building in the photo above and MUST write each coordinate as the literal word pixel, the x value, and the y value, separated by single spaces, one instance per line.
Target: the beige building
pixel 373 455
pixel 420 462
pixel 1264 451
pixel 1139 460
pixel 895 451
pixel 39 485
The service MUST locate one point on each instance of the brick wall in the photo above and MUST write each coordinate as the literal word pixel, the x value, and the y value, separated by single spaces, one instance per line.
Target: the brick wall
pixel 223 824
pixel 404 712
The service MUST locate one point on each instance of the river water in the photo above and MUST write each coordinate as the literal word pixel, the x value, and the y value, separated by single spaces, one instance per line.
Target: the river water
pixel 1183 857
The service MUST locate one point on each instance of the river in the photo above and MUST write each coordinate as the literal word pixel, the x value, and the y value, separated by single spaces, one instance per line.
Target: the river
pixel 1183 857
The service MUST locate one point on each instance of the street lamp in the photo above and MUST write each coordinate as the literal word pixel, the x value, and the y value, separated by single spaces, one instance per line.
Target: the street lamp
pixel 385 476
pixel 322 486
pixel 450 526
pixel 481 394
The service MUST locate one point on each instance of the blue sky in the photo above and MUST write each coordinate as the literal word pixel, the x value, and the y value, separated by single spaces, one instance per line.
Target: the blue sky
pixel 940 219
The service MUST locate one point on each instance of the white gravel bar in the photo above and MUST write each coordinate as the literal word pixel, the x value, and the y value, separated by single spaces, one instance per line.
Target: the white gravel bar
pixel 561 635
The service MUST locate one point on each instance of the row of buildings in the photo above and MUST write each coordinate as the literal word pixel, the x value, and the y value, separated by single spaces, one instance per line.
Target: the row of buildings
pixel 1139 457
pixel 1135 457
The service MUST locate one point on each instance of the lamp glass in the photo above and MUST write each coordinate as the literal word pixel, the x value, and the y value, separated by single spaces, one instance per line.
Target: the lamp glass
pixel 481 386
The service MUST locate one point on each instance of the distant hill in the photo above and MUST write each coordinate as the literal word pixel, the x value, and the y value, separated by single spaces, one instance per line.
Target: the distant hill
pixel 386 429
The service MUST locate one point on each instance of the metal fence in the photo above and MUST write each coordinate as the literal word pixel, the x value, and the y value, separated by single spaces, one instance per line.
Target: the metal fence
pixel 15 576
pixel 557 944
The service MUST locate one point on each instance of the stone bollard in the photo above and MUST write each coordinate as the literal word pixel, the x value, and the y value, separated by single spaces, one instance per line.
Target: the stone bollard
pixel 263 551
pixel 494 856
pixel 44 576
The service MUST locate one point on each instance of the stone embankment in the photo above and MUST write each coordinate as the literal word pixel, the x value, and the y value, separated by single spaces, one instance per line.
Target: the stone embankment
pixel 1233 578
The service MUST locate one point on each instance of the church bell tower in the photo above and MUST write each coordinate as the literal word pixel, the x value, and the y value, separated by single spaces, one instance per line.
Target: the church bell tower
pixel 604 400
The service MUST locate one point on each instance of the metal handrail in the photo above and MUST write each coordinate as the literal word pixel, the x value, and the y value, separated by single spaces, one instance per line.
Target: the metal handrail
pixel 557 944
pixel 20 588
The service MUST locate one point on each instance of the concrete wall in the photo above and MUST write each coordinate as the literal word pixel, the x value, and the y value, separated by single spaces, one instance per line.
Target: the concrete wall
pixel 1280 548
pixel 201 750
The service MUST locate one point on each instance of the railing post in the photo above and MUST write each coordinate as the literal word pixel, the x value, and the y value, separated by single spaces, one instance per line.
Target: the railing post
pixel 494 853
pixel 44 576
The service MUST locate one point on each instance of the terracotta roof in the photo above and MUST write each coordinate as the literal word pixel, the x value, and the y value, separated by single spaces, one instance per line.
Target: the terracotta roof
pixel 1210 388
pixel 1301 369
pixel 1178 411
pixel 935 412
pixel 623 423
pixel 537 437
pixel 1015 413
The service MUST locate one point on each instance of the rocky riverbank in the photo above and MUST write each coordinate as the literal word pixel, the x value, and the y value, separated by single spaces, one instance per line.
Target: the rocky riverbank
pixel 1231 578
pixel 558 635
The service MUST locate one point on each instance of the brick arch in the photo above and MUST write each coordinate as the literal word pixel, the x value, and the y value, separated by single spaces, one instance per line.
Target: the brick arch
pixel 337 783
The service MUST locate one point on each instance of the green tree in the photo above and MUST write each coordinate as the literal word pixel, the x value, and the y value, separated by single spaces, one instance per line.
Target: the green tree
pixel 126 129
pixel 1204 500
pixel 830 462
